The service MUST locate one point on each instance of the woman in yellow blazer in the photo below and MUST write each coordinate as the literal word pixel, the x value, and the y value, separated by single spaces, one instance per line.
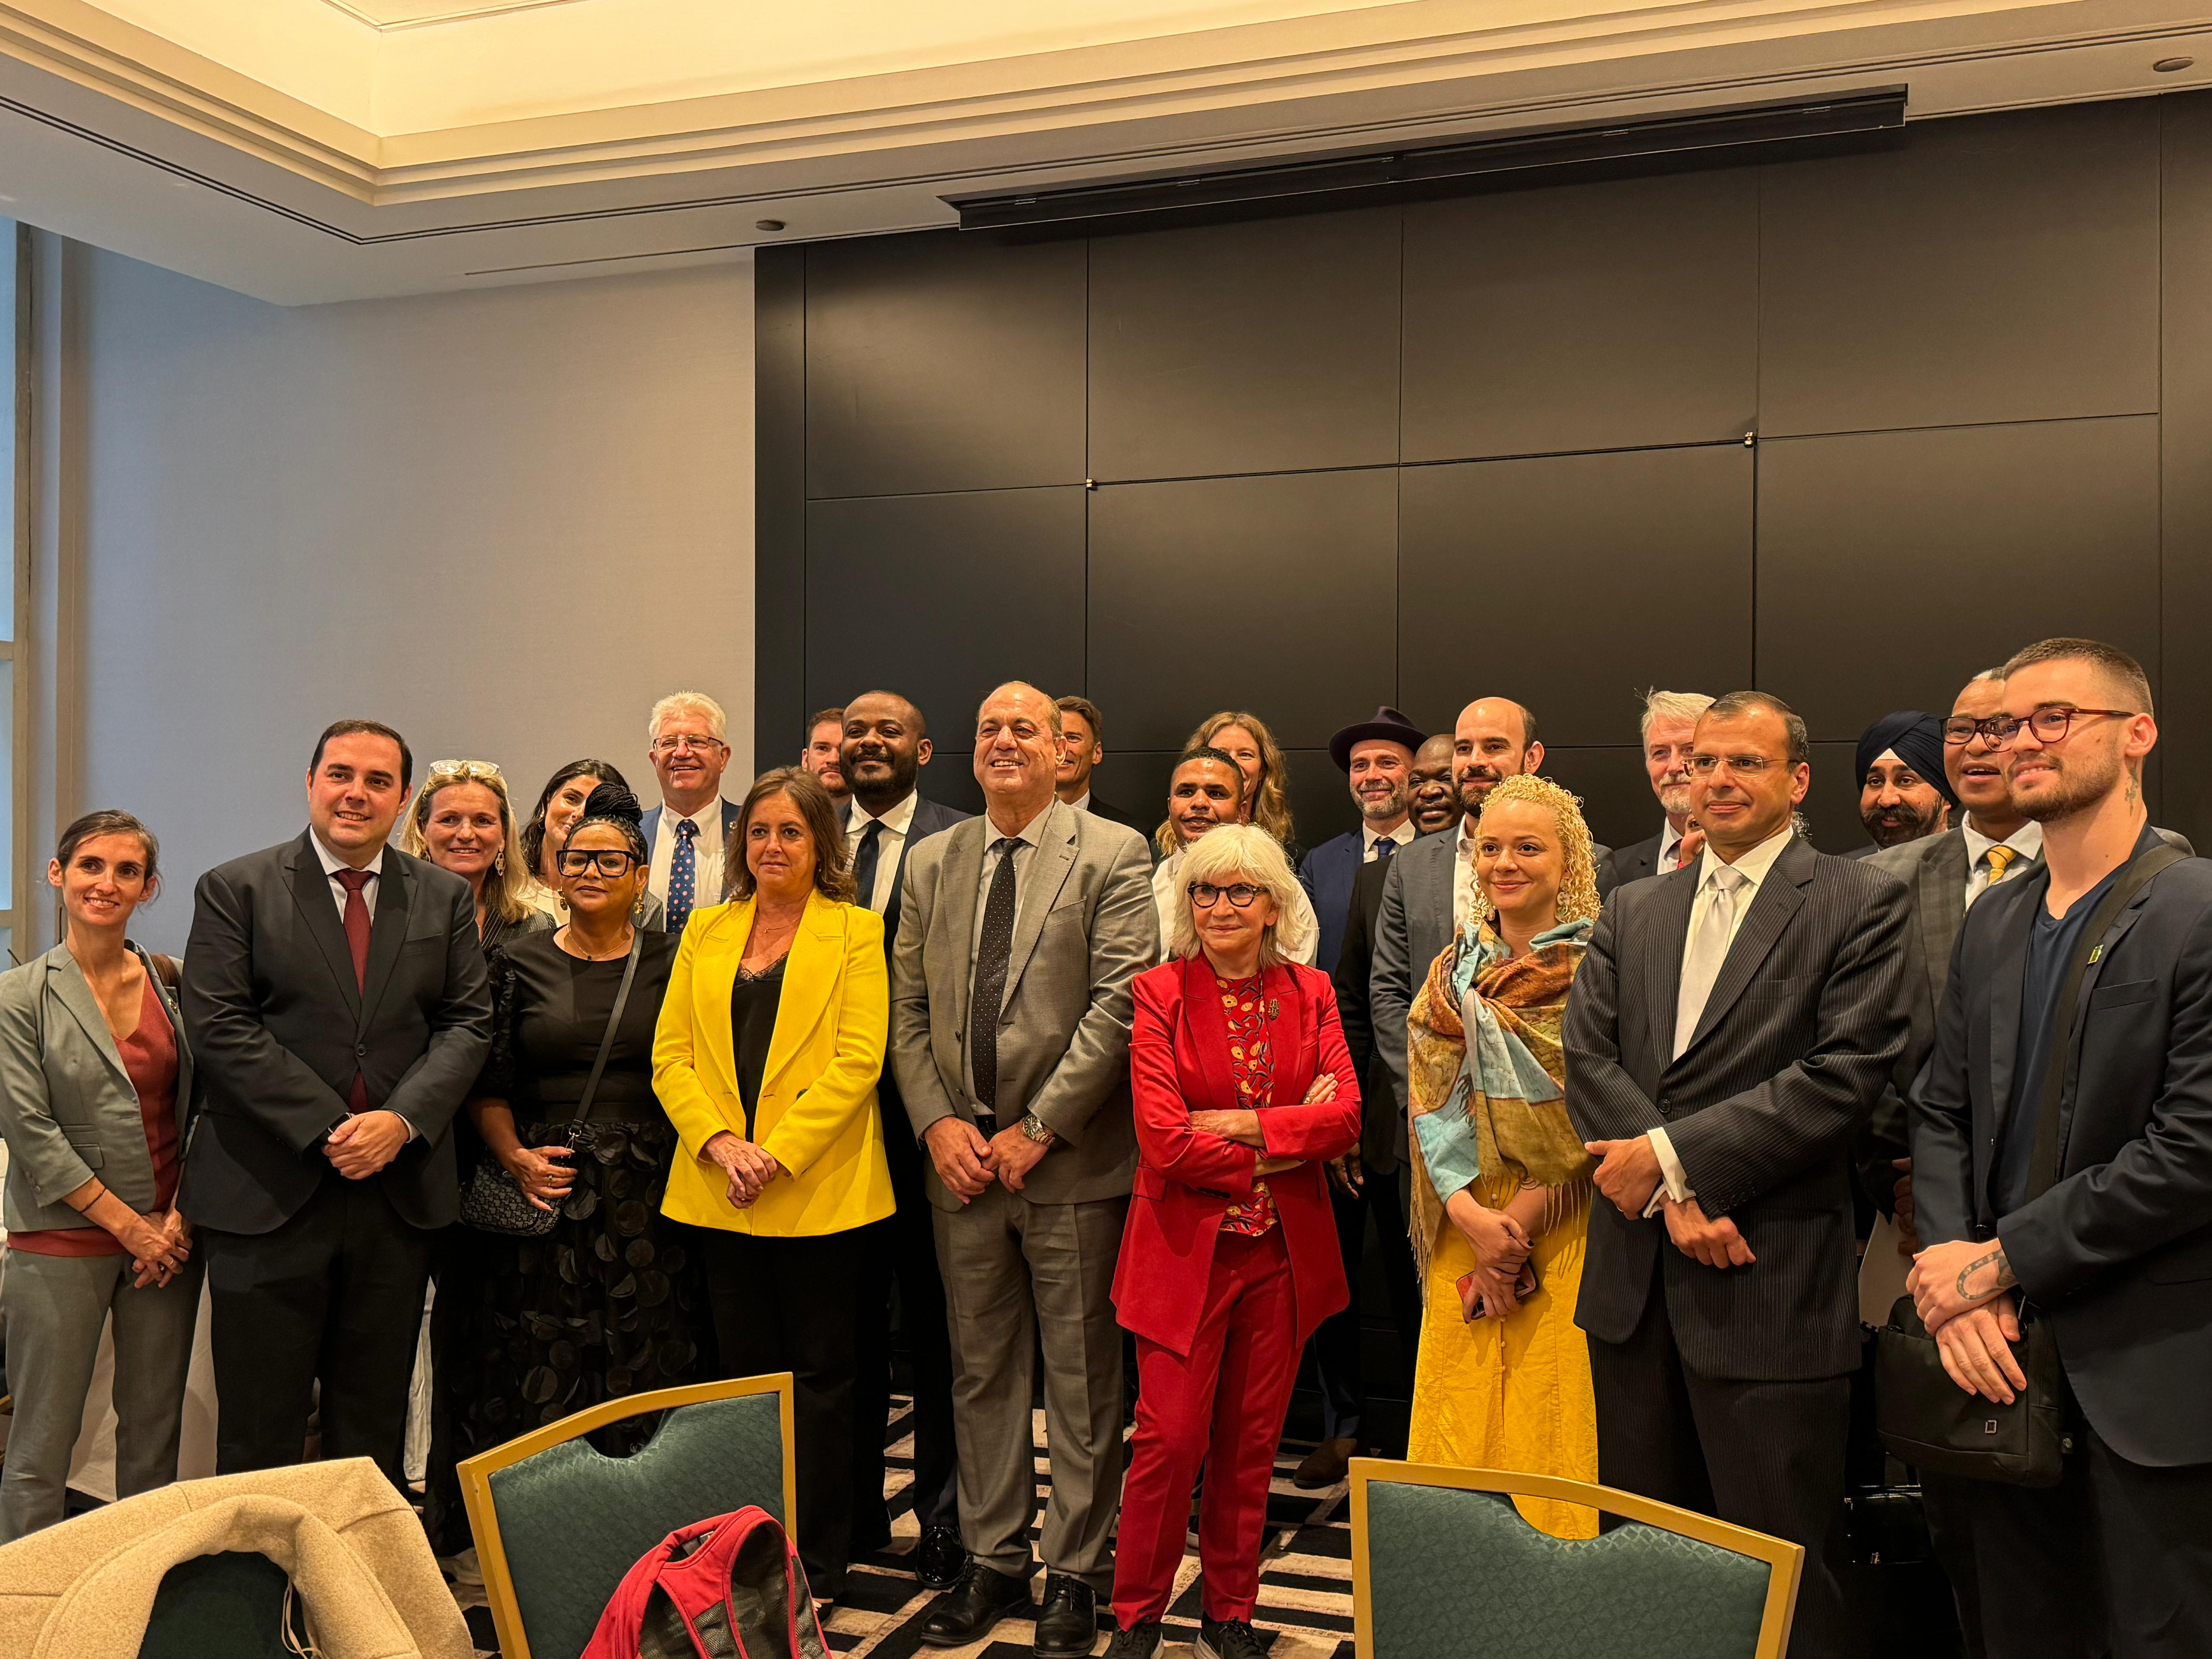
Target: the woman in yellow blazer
pixel 766 1058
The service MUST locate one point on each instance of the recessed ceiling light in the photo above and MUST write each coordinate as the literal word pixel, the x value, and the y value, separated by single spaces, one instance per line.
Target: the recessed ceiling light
pixel 2171 65
pixel 768 224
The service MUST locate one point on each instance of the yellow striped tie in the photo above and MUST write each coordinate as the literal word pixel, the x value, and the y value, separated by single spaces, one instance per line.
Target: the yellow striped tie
pixel 1999 858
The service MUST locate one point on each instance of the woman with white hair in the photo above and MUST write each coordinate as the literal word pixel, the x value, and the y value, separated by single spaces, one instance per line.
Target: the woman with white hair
pixel 1242 1089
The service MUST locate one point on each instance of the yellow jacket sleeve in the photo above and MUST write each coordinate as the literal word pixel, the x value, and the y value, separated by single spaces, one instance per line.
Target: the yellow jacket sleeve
pixel 676 1058
pixel 846 1087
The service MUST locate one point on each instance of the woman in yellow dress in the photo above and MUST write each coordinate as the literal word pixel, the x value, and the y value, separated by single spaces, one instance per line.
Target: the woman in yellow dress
pixel 1501 1192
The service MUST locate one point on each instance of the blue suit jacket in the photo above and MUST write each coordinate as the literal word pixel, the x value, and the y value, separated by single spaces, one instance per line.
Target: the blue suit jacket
pixel 1327 875
pixel 650 825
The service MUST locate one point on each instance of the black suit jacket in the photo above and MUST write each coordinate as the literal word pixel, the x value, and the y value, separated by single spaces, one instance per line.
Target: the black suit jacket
pixel 1111 813
pixel 900 1147
pixel 1382 1126
pixel 1627 864
pixel 2118 1252
pixel 278 1029
pixel 1797 1040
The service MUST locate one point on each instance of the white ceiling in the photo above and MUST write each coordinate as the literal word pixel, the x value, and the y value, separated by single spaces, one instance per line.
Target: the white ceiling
pixel 307 150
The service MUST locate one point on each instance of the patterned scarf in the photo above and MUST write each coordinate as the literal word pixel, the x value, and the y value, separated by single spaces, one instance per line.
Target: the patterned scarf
pixel 1504 1079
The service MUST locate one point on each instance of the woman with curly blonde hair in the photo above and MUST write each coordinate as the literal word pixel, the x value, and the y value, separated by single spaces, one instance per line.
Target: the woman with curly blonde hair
pixel 1245 740
pixel 1501 1196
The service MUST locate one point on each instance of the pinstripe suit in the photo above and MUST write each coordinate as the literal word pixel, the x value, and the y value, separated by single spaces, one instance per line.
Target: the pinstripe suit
pixel 1730 1389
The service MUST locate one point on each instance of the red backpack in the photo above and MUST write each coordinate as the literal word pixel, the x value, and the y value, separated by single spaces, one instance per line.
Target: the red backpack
pixel 728 1588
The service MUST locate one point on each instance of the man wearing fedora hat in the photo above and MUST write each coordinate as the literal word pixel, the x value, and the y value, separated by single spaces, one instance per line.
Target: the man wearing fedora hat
pixel 1377 755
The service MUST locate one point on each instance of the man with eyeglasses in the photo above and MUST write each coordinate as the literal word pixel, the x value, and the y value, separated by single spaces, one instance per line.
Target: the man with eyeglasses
pixel 1667 729
pixel 1731 1027
pixel 2062 1143
pixel 688 831
pixel 1206 790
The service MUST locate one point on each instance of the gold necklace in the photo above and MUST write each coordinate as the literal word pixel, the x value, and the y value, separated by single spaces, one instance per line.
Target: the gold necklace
pixel 591 955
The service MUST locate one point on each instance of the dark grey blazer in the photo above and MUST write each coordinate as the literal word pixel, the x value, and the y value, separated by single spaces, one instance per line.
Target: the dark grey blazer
pixel 1627 864
pixel 1801 1032
pixel 1414 923
pixel 67 1111
pixel 2118 1252
pixel 279 1028
pixel 1382 1126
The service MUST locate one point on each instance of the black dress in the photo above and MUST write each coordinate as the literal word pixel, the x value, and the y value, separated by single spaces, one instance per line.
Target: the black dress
pixel 610 1301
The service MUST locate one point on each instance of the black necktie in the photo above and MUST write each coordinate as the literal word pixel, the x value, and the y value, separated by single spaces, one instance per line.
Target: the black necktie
pixel 993 951
pixel 864 861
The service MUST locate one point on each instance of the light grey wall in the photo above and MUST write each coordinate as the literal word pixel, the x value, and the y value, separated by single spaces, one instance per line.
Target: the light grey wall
pixel 503 522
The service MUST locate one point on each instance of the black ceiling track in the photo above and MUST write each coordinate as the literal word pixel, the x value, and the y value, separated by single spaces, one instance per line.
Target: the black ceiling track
pixel 1735 136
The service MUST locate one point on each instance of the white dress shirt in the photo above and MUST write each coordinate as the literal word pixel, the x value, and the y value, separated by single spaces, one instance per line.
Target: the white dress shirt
pixel 1403 835
pixel 332 864
pixel 2026 841
pixel 1082 802
pixel 1297 934
pixel 706 854
pixel 1752 867
pixel 1670 839
pixel 891 843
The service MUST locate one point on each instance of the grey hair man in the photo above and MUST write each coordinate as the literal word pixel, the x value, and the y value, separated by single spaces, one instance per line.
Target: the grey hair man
pixel 686 736
pixel 1010 1040
pixel 1669 722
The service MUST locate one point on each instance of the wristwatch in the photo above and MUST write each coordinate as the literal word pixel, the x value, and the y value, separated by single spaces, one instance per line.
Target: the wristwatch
pixel 1037 1129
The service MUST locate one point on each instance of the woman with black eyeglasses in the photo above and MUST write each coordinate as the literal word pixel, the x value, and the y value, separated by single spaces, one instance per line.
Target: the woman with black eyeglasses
pixel 609 1301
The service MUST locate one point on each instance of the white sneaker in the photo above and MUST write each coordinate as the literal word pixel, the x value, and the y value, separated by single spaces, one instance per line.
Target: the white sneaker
pixel 464 1566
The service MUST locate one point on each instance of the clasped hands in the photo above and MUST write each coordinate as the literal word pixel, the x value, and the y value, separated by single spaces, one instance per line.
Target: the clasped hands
pixel 364 1142
pixel 1962 1292
pixel 1628 1173
pixel 968 1163
pixel 159 1244
pixel 748 1167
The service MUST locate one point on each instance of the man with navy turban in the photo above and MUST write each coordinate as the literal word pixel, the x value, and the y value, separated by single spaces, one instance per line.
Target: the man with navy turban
pixel 1903 793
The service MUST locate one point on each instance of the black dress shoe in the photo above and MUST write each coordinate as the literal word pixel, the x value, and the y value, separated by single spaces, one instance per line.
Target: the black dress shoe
pixel 939 1558
pixel 1137 1642
pixel 1068 1623
pixel 966 1613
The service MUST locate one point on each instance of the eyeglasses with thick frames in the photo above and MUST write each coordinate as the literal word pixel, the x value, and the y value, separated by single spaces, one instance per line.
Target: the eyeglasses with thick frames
pixel 1205 895
pixel 470 771
pixel 2050 725
pixel 610 861
pixel 1749 766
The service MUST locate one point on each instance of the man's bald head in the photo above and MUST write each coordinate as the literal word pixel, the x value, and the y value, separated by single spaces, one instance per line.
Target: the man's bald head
pixel 1494 738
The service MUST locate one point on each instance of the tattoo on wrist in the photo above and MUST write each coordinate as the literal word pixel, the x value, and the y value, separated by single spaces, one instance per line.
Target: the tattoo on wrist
pixel 2000 1279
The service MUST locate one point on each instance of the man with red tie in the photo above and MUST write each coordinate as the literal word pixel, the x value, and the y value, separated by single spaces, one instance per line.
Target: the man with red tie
pixel 336 1003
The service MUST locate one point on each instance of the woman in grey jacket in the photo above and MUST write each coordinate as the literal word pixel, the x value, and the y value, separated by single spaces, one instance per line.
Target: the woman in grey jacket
pixel 95 1104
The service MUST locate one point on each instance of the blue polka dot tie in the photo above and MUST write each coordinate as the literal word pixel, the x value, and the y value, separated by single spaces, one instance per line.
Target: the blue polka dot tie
pixel 683 876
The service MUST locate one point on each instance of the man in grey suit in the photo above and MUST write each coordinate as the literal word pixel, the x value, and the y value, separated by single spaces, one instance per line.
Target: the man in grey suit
pixel 1669 726
pixel 1729 1033
pixel 1010 1009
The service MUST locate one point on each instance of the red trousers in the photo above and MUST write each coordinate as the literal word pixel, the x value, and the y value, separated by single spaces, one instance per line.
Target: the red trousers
pixel 1222 1406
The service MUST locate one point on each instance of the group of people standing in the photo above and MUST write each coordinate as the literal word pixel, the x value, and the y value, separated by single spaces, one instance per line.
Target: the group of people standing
pixel 707 1086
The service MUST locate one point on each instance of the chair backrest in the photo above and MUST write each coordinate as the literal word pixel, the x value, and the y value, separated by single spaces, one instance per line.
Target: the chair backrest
pixel 557 1524
pixel 226 1606
pixel 1442 1564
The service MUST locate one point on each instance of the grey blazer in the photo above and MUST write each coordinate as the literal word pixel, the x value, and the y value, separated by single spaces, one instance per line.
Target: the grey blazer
pixel 1084 927
pixel 67 1108
pixel 1414 925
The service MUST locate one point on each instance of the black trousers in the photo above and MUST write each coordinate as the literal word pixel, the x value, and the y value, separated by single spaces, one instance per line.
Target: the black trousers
pixel 334 1294
pixel 1336 1344
pixel 2115 1562
pixel 902 1249
pixel 792 1304
pixel 1767 1456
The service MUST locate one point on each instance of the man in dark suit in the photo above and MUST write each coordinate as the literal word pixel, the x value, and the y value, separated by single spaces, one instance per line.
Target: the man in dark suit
pixel 335 1000
pixel 1669 722
pixel 1904 792
pixel 688 833
pixel 1082 746
pixel 1730 1028
pixel 2096 1218
pixel 1377 757
pixel 885 746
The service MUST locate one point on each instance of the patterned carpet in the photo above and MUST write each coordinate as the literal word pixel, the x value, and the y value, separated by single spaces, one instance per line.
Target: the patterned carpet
pixel 1305 1583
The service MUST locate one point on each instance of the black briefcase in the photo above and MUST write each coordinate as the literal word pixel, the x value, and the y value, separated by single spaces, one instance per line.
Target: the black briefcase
pixel 1929 1421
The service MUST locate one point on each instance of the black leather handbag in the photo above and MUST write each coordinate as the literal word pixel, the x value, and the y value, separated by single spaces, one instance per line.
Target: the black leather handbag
pixel 1923 1416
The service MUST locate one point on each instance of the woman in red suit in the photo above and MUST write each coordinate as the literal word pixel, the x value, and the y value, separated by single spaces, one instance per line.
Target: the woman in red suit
pixel 1242 1090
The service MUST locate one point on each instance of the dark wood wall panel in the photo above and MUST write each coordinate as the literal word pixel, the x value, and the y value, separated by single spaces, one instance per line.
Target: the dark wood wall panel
pixel 1269 347
pixel 1573 583
pixel 941 598
pixel 1275 593
pixel 934 363
pixel 1616 796
pixel 1892 567
pixel 2001 268
pixel 1520 306
pixel 2184 682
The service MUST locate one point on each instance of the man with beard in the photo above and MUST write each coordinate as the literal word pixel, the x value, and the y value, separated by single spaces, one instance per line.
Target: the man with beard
pixel 1904 793
pixel 1670 720
pixel 825 731
pixel 2062 1160
pixel 1430 796
pixel 1082 746
pixel 884 746
pixel 1206 790
pixel 1377 757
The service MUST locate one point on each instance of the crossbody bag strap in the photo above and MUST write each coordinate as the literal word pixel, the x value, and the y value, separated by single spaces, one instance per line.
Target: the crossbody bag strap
pixel 614 1023
pixel 2043 1168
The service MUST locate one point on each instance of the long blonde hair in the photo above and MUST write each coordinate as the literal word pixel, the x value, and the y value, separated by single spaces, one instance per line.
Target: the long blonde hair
pixel 1579 900
pixel 1269 803
pixel 507 887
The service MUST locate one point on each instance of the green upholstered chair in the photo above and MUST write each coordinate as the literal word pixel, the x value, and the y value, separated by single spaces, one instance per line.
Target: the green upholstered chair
pixel 229 1606
pixel 557 1524
pixel 1443 1565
